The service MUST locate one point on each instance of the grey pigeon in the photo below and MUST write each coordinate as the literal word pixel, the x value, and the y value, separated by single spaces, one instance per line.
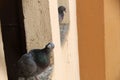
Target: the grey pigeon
pixel 34 62
pixel 61 10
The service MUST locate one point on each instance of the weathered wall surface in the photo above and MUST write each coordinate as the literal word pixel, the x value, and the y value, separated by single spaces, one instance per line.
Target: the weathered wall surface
pixel 37 23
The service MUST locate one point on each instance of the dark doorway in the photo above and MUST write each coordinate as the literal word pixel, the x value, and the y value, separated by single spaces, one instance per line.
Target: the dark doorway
pixel 13 34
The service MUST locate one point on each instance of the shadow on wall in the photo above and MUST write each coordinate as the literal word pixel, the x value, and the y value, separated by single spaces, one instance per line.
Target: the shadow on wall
pixel 64 28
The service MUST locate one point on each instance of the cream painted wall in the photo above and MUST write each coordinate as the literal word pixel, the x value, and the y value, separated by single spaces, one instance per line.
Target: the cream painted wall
pixel 70 46
pixel 37 23
pixel 112 39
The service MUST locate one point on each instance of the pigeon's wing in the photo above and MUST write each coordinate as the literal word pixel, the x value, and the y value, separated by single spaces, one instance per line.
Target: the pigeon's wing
pixel 27 66
pixel 60 18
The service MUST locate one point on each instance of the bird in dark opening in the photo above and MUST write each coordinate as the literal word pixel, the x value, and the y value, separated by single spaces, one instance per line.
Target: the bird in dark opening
pixel 61 10
pixel 34 62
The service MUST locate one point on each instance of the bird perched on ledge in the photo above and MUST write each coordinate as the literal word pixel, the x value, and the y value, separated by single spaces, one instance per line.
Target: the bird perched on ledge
pixel 34 62
pixel 61 10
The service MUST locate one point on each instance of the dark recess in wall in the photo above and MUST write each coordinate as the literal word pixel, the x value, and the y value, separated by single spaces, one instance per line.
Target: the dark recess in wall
pixel 13 33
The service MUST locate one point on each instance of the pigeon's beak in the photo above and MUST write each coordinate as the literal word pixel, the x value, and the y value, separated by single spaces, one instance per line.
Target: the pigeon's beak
pixel 50 45
pixel 65 11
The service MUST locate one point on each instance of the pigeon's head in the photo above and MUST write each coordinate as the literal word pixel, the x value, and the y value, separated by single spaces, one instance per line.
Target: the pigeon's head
pixel 50 46
pixel 61 9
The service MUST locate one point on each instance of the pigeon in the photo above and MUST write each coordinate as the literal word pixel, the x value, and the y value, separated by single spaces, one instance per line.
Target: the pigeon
pixel 61 10
pixel 34 62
